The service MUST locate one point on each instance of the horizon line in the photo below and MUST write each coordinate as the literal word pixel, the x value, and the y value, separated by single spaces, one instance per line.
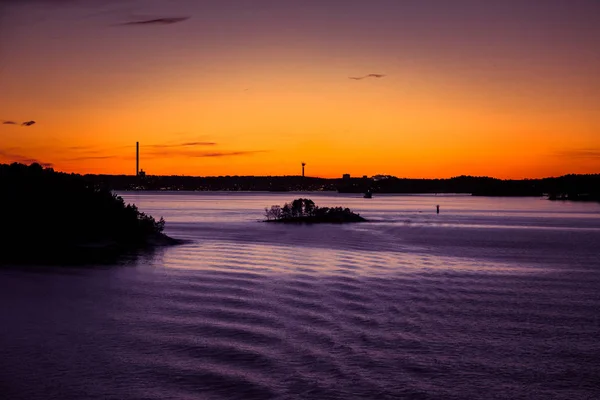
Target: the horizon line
pixel 50 166
pixel 339 178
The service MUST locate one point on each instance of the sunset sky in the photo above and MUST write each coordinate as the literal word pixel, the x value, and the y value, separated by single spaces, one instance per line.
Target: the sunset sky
pixel 508 88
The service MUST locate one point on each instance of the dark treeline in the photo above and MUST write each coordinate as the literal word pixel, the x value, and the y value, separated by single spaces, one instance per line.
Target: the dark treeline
pixel 220 183
pixel 51 216
pixel 306 211
pixel 572 187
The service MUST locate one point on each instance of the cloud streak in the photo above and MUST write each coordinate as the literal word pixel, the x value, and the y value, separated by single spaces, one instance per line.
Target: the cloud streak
pixel 163 153
pixel 87 158
pixel 167 150
pixel 83 153
pixel 358 78
pixel 590 153
pixel 12 157
pixel 26 123
pixel 232 153
pixel 192 150
pixel 200 153
pixel 185 144
pixel 155 21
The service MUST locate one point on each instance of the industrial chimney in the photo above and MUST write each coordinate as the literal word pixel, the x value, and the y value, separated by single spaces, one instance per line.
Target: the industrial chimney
pixel 137 158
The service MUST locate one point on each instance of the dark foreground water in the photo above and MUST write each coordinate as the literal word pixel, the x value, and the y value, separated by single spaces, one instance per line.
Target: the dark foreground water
pixel 493 298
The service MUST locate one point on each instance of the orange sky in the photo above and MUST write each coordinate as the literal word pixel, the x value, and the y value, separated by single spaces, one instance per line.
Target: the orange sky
pixel 256 92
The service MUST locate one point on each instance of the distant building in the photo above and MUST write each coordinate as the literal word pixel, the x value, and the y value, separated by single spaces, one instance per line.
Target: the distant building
pixel 142 174
pixel 346 177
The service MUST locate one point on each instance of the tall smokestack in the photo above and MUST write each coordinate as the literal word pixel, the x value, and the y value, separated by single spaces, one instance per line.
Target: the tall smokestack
pixel 137 158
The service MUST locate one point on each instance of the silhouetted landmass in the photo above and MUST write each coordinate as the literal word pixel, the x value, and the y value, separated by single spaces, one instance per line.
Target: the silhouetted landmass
pixel 51 217
pixel 305 211
pixel 572 187
pixel 214 183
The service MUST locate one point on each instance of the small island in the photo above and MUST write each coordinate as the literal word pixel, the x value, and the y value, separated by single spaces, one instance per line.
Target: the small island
pixel 58 218
pixel 305 211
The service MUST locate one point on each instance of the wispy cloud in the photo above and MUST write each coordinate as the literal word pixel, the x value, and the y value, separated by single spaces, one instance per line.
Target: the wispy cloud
pixel 82 148
pixel 89 158
pixel 198 144
pixel 26 123
pixel 191 153
pixel 155 21
pixel 94 149
pixel 82 153
pixel 232 153
pixel 12 157
pixel 184 144
pixel 192 150
pixel 164 153
pixel 358 78
pixel 593 153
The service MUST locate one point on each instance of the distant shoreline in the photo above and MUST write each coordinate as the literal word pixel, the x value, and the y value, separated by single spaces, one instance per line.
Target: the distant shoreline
pixel 329 192
pixel 572 187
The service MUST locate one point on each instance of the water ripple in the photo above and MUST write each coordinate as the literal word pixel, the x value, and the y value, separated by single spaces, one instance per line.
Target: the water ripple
pixel 473 306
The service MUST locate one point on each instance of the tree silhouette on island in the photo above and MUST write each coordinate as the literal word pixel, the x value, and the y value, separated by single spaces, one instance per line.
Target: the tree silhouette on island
pixel 305 211
pixel 51 217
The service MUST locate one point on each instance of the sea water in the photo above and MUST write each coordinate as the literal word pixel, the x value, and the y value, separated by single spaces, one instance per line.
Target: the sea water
pixel 492 298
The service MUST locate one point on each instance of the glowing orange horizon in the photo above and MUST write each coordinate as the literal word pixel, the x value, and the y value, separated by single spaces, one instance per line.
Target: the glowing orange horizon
pixel 261 107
